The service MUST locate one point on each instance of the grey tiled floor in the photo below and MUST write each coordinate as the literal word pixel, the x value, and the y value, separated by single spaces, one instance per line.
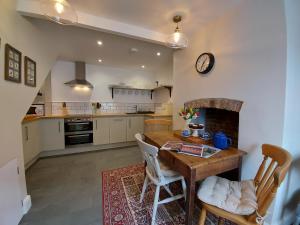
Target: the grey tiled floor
pixel 66 190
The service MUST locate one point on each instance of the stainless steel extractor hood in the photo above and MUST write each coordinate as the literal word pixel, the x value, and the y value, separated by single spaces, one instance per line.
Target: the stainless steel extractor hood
pixel 80 75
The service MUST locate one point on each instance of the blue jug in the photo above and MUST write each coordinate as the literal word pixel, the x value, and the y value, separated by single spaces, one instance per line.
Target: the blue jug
pixel 221 141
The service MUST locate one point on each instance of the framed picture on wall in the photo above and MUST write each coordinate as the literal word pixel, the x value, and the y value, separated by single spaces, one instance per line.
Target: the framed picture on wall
pixel 30 72
pixel 13 62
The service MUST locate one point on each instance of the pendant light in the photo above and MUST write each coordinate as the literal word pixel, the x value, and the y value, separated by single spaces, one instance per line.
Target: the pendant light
pixel 59 11
pixel 177 40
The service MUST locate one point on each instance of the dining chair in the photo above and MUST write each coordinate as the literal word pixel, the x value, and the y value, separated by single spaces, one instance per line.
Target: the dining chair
pixel 158 125
pixel 246 202
pixel 159 174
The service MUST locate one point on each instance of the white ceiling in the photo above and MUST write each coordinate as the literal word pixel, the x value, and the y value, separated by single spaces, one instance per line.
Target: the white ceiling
pixel 156 15
pixel 134 20
pixel 80 44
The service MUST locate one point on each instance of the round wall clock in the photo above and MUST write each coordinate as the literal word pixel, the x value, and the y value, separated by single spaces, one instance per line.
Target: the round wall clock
pixel 205 63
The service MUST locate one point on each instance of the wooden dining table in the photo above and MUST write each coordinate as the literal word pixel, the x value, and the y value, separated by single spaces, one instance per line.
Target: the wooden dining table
pixel 196 168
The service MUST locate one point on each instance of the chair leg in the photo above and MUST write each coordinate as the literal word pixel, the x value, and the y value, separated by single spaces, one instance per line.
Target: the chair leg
pixel 202 216
pixel 155 204
pixel 144 188
pixel 183 184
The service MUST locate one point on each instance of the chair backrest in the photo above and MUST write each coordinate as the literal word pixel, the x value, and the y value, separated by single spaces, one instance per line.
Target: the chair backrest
pixel 150 154
pixel 158 124
pixel 270 175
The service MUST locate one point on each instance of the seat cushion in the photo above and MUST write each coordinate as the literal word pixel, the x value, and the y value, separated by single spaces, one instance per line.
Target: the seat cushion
pixel 166 171
pixel 232 196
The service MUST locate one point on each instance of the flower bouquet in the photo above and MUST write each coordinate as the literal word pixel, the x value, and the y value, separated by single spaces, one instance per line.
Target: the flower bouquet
pixel 188 114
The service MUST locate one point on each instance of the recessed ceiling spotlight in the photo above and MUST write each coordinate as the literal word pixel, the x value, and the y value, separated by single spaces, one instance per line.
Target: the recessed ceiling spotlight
pixel 99 43
pixel 133 50
pixel 158 53
pixel 143 66
pixel 99 60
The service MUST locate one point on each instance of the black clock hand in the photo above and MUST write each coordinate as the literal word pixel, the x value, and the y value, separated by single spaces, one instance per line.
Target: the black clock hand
pixel 203 64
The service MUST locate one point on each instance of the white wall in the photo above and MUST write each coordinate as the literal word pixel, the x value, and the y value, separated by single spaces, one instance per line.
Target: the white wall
pixel 290 192
pixel 101 77
pixel 15 98
pixel 249 44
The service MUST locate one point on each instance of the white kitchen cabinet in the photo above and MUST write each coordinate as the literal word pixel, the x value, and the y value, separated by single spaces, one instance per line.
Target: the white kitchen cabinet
pixel 31 140
pixel 101 127
pixel 117 131
pixel 135 124
pixel 52 134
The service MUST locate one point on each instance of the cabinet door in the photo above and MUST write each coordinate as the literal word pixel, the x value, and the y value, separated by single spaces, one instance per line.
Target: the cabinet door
pixel 31 140
pixel 134 125
pixel 53 137
pixel 117 131
pixel 101 131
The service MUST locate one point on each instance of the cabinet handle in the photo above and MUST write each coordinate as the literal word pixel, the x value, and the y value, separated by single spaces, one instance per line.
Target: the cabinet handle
pixel 96 124
pixel 58 126
pixel 26 133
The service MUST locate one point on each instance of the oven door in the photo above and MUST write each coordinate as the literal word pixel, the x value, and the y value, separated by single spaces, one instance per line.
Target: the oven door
pixel 75 139
pixel 78 126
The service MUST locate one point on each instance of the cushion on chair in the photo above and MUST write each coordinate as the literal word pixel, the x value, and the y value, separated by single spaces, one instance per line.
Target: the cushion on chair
pixel 232 196
pixel 166 171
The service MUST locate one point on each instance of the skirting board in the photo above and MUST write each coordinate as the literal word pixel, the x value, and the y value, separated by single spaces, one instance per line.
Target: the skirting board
pixel 86 148
pixel 26 204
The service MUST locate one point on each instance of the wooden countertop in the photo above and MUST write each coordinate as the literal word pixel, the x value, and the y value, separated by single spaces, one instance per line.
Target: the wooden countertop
pixel 30 118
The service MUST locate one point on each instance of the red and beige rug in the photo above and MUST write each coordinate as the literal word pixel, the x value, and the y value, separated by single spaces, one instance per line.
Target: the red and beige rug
pixel 120 195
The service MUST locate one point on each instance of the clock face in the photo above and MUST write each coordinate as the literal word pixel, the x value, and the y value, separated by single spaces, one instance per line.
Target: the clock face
pixel 205 63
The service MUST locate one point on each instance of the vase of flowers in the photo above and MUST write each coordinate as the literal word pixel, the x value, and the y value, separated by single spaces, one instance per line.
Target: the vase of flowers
pixel 188 114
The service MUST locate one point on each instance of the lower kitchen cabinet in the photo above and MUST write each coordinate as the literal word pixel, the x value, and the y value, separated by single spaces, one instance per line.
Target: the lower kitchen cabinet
pixel 135 125
pixel 117 131
pixel 31 140
pixel 52 134
pixel 101 127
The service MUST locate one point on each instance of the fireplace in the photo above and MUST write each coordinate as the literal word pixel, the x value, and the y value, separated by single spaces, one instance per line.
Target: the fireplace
pixel 219 114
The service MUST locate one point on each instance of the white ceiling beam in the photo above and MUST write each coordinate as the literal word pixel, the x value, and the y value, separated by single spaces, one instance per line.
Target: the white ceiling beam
pixel 32 8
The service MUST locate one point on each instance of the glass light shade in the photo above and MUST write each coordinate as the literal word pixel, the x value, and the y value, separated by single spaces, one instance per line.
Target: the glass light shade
pixel 177 40
pixel 59 11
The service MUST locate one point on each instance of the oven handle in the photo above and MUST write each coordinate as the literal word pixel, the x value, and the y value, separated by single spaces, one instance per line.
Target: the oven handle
pixel 79 135
pixel 78 123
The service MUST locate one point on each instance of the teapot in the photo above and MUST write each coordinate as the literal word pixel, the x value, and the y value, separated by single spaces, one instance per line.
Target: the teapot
pixel 221 141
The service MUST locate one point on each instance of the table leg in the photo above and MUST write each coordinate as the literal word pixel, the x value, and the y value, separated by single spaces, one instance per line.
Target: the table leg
pixel 189 205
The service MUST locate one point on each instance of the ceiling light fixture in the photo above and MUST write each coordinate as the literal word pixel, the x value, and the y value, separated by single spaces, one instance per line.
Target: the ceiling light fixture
pixel 99 60
pixel 99 42
pixel 177 40
pixel 143 66
pixel 59 11
pixel 158 53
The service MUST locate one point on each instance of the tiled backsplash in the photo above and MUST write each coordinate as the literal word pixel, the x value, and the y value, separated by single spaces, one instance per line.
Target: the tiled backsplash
pixel 106 107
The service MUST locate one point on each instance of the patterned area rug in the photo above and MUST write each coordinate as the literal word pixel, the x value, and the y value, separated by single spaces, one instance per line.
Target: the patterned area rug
pixel 121 192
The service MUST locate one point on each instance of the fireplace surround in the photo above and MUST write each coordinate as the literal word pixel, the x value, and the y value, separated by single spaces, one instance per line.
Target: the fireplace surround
pixel 220 114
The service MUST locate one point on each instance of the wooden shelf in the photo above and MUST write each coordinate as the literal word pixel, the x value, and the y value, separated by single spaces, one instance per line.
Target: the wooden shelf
pixel 112 87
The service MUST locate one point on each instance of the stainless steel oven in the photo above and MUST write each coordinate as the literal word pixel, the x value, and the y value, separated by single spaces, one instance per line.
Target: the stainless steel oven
pixel 78 130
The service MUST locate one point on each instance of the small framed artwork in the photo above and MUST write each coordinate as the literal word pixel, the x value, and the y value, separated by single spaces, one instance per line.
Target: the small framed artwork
pixel 30 72
pixel 13 62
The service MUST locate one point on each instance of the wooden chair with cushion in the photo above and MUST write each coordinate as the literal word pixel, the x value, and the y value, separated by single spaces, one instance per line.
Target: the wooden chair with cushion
pixel 159 174
pixel 246 202
pixel 158 125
